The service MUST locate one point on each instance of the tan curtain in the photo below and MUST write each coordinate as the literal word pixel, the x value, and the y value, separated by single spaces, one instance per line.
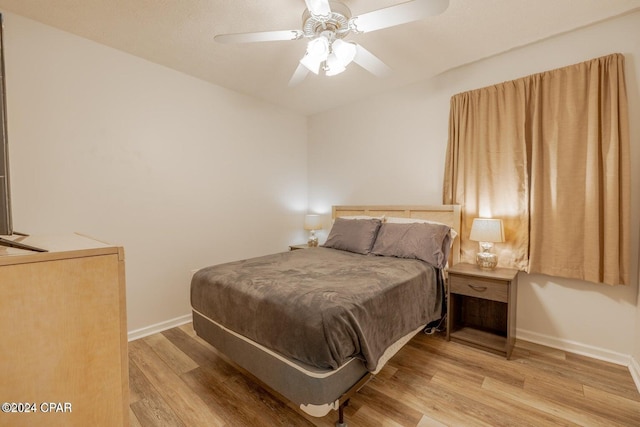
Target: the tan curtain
pixel 549 154
pixel 486 169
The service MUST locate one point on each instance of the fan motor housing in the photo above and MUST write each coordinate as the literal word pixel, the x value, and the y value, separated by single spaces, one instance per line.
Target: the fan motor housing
pixel 337 23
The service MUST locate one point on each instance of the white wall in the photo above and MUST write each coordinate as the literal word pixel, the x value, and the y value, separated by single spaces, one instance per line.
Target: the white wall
pixel 391 149
pixel 180 172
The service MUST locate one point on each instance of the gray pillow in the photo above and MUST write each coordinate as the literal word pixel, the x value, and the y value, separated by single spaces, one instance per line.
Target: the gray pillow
pixel 353 235
pixel 428 242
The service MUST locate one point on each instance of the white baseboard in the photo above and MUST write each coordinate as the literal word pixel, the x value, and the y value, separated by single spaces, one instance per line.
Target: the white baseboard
pixel 159 327
pixel 634 368
pixel 575 347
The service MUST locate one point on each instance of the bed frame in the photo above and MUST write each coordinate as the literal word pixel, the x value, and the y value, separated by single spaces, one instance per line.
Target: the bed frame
pixel 275 371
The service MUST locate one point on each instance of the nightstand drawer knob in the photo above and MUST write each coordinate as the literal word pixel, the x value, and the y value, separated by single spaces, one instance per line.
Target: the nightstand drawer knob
pixel 477 288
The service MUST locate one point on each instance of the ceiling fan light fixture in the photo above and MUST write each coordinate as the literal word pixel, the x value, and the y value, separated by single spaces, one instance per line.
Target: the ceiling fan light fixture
pixel 344 51
pixel 317 53
pixel 318 48
pixel 326 22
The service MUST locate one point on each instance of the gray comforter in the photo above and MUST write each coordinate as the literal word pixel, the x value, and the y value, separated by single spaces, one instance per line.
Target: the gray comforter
pixel 321 306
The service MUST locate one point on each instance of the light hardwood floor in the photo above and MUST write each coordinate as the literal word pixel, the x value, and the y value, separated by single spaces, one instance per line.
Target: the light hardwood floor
pixel 177 379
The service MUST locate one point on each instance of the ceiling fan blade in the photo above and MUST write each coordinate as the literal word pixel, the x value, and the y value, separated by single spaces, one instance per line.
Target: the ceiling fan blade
pixel 298 75
pixel 264 36
pixel 318 7
pixel 396 15
pixel 370 62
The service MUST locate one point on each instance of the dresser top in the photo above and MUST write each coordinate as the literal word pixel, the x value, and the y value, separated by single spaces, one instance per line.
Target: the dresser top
pixel 61 246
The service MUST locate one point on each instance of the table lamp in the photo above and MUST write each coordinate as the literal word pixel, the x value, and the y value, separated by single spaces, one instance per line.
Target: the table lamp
pixel 312 223
pixel 486 232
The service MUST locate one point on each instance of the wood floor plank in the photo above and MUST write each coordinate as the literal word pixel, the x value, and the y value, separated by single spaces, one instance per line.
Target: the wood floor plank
pixel 203 354
pixel 177 360
pixel 187 328
pixel 577 416
pixel 210 360
pixel 229 405
pixel 186 405
pixel 548 385
pixel 133 420
pixel 438 403
pixel 612 405
pixel 620 380
pixel 540 349
pixel 371 416
pixel 430 383
pixel 148 407
pixel 394 409
pixel 471 359
pixel 573 370
pixel 268 406
pixel 136 386
pixel 436 364
pixel 153 413
pixel 482 405
pixel 602 366
pixel 426 421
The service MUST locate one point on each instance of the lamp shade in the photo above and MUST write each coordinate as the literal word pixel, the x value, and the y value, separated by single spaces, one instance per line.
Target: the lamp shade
pixel 344 51
pixel 312 222
pixel 487 230
pixel 334 66
pixel 317 53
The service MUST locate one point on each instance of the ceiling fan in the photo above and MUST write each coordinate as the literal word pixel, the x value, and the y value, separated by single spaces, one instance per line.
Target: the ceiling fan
pixel 327 23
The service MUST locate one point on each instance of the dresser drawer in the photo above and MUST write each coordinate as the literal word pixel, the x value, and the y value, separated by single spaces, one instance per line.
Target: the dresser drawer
pixel 491 289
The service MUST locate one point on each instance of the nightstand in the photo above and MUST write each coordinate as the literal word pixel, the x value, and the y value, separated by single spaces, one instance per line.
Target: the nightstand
pixel 481 307
pixel 302 246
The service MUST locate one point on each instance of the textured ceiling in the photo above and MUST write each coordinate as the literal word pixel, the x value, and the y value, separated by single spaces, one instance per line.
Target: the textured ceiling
pixel 179 34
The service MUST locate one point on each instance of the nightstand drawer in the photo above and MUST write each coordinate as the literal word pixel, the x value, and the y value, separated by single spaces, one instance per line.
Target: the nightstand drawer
pixel 479 288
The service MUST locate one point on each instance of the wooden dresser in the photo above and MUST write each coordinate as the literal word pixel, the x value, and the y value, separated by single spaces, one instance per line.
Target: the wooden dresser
pixel 63 357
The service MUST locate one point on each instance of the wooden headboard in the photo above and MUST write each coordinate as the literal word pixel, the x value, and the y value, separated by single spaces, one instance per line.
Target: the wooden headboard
pixel 446 214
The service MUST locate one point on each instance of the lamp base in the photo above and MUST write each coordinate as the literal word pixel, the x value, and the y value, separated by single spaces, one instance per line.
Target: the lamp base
pixel 312 242
pixel 486 260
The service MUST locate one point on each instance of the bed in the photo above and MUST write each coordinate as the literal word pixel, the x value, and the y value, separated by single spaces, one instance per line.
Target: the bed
pixel 315 324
